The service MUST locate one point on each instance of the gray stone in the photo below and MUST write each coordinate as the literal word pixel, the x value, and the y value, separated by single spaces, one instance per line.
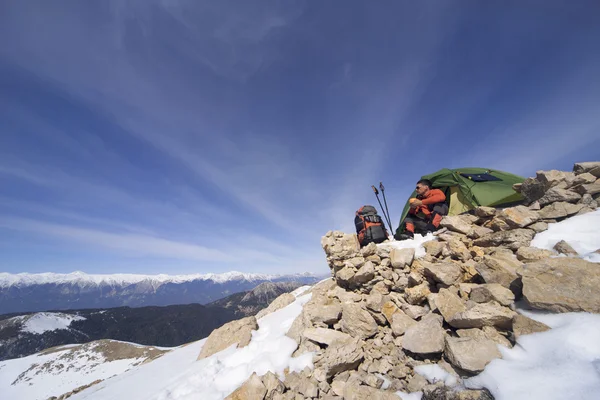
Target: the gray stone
pixel 523 325
pixel 339 357
pixel 447 273
pixel 563 247
pixel 425 337
pixel 562 284
pixel 470 354
pixel 415 312
pixel 357 321
pixel 532 190
pixel 235 332
pixel 559 195
pixel 527 254
pixel 375 301
pixel 492 291
pixel 402 257
pixel 484 314
pixel 401 322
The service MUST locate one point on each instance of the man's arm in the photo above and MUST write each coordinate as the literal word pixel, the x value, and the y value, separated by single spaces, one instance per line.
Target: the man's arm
pixel 436 196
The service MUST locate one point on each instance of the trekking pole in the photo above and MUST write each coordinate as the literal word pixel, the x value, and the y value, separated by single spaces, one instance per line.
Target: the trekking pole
pixel 385 202
pixel 382 211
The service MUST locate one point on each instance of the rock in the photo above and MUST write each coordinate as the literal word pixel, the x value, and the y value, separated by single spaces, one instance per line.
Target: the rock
pixel 553 178
pixel 375 302
pixel 532 254
pixel 426 336
pixel 449 304
pixel 590 167
pixel 562 284
pixel 235 332
pixel 451 393
pixel 415 312
pixel 523 325
pixel 480 231
pixel 469 354
pixel 417 295
pixel 433 248
pixel 400 323
pixel 354 391
pixel 512 239
pixel 339 357
pixel 532 190
pixel 252 389
pixel 365 273
pixel 458 251
pixel 272 384
pixel 492 291
pixel 301 384
pixel 518 217
pixel 588 201
pixel 485 212
pixel 487 332
pixel 345 276
pixel 559 210
pixel 357 322
pixel 325 336
pixel 457 223
pixel 327 314
pixel 497 224
pixel 484 314
pixel 338 245
pixel 388 310
pixel 500 269
pixel 535 206
pixel 343 295
pixel 447 273
pixel 563 247
pixel 559 195
pixel 277 304
pixel 584 179
pixel 416 383
pixel 538 227
pixel 402 257
pixel 369 250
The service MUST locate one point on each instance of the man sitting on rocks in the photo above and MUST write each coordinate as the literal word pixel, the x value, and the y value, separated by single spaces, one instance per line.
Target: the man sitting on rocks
pixel 426 211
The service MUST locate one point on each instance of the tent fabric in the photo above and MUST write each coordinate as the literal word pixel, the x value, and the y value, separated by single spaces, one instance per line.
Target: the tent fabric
pixel 467 188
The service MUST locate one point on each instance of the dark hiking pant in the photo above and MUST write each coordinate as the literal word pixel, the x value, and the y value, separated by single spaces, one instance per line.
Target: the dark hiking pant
pixel 415 224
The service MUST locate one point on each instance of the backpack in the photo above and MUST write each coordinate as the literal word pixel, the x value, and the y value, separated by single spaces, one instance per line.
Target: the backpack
pixel 369 226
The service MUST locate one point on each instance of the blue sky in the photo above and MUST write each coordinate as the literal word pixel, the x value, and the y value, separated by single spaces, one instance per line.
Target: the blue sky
pixel 203 136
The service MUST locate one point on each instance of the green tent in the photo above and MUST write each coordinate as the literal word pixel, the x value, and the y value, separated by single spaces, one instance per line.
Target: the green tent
pixel 467 188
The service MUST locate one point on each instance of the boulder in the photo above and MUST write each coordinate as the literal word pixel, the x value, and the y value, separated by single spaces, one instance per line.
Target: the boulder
pixel 485 212
pixel 401 258
pixel 492 291
pixel 415 312
pixel 298 383
pixel 449 304
pixel 357 321
pixel 434 248
pixel 470 354
pixel 272 384
pixel 327 314
pixel 588 201
pixel 527 254
pixel 345 276
pixel 339 357
pixel 554 178
pixel 235 332
pixel 532 190
pixel 447 273
pixel 523 325
pixel 584 179
pixel 426 336
pixel 325 336
pixel 562 284
pixel 518 217
pixel 559 210
pixel 589 167
pixel 457 223
pixel 339 245
pixel 480 231
pixel 365 273
pixel 401 322
pixel 512 239
pixel 539 226
pixel 500 268
pixel 487 332
pixel 458 251
pixel 563 247
pixel 375 301
pixel 417 295
pixel 559 195
pixel 484 314
pixel 252 389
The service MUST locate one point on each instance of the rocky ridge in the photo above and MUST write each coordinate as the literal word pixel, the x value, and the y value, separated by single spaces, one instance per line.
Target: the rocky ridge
pixel 387 312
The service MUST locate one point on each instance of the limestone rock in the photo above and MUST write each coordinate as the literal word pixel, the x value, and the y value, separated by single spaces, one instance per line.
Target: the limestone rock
pixel 277 304
pixel 325 336
pixel 416 383
pixel 401 322
pixel 449 393
pixel 512 239
pixel 500 269
pixel 558 195
pixel 449 304
pixel 252 389
pixel 592 167
pixel 584 179
pixel 365 273
pixel 563 247
pixel 470 354
pixel 492 291
pixel 480 231
pixel 554 178
pixel 485 212
pixel 345 276
pixel 532 190
pixel 484 314
pixel 415 312
pixel 339 357
pixel 433 248
pixel 539 226
pixel 518 217
pixel 354 391
pixel 388 310
pixel 562 284
pixel 458 251
pixel 327 314
pixel 417 295
pixel 235 332
pixel 447 273
pixel 457 223
pixel 301 384
pixel 357 321
pixel 426 336
pixel 402 257
pixel 272 384
pixel 375 301
pixel 559 210
pixel 487 332
pixel 532 254
pixel 523 325
pixel 588 201
pixel 338 245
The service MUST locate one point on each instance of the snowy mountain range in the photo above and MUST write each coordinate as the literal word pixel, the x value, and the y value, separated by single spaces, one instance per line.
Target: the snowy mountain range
pixel 49 291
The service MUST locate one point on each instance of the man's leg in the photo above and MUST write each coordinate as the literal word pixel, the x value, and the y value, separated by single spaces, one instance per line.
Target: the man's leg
pixel 439 210
pixel 409 228
pixel 421 226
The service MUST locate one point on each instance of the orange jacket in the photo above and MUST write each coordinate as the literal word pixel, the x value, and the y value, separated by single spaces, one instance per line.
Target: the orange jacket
pixel 432 197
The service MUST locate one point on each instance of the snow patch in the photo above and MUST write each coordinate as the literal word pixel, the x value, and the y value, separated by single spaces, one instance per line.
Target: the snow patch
pixel 434 373
pixel 42 322
pixel 416 243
